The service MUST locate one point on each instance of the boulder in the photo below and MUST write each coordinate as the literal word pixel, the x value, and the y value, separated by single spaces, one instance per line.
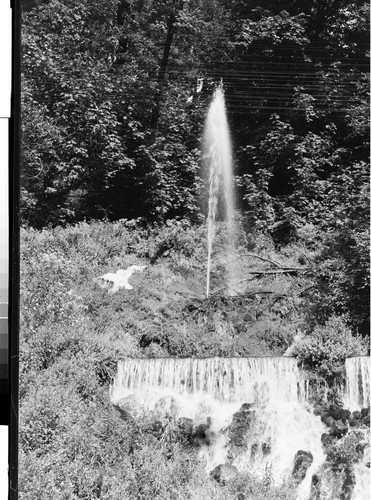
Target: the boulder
pixel 128 407
pixel 302 461
pixel 240 425
pixel 224 473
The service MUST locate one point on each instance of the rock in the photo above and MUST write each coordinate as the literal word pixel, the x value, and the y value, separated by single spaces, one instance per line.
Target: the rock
pixel 203 435
pixel 239 427
pixel 338 413
pixel 185 425
pixel 365 416
pixel 353 422
pixel 338 429
pixel 331 413
pixel 360 448
pixel 224 473
pixel 128 407
pixel 302 461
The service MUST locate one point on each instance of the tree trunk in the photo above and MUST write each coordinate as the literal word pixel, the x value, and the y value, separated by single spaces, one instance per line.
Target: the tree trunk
pixel 164 63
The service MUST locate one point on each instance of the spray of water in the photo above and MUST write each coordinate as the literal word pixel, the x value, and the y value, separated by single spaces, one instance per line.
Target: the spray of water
pixel 218 160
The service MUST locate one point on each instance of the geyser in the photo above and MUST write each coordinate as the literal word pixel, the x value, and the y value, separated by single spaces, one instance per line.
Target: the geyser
pixel 219 165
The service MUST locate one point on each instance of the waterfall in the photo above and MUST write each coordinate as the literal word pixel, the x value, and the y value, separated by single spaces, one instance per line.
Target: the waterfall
pixel 218 162
pixel 357 387
pixel 214 390
pixel 357 396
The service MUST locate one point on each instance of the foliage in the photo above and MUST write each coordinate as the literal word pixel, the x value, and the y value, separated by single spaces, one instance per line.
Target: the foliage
pixel 347 451
pixel 73 332
pixel 114 97
pixel 341 280
pixel 325 348
pixel 111 126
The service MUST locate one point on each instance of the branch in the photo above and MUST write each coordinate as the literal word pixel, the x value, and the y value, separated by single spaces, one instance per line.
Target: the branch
pixel 287 270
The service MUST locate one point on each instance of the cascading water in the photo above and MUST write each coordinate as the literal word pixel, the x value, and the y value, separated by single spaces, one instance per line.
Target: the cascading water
pixel 356 397
pixel 357 387
pixel 218 160
pixel 212 390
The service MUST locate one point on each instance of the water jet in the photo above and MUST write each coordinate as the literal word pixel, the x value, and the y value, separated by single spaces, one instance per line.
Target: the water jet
pixel 219 165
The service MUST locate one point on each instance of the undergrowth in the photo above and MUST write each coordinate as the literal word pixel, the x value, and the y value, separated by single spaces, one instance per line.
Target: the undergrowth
pixel 73 445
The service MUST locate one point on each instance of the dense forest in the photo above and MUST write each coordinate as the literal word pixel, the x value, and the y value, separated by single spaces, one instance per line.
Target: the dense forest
pixel 114 100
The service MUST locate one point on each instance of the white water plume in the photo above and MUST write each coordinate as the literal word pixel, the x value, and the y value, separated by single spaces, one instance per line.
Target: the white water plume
pixel 212 390
pixel 219 164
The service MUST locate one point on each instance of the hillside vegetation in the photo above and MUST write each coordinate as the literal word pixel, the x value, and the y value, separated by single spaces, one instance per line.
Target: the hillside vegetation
pixel 114 99
pixel 73 443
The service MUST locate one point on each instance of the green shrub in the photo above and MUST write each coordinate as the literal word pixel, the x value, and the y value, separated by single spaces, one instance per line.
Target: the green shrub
pixel 326 347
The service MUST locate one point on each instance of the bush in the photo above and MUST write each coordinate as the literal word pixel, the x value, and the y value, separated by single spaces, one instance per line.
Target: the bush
pixel 326 347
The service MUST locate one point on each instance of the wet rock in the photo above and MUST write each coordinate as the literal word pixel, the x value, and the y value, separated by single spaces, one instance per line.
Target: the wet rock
pixel 200 433
pixel 240 425
pixel 224 473
pixel 353 422
pixel 302 461
pixel 338 413
pixel 338 429
pixel 331 413
pixel 365 416
pixel 204 435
